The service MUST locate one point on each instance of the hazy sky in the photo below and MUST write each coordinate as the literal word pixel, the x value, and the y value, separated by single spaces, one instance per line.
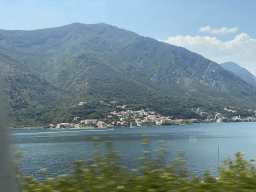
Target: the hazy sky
pixel 219 30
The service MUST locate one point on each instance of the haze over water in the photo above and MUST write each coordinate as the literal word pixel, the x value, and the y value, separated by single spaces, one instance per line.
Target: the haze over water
pixel 57 149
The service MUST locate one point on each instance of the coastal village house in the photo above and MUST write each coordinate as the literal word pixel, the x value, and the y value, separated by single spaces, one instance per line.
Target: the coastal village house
pixel 76 118
pixel 89 122
pixel 102 124
pixel 81 103
pixel 65 125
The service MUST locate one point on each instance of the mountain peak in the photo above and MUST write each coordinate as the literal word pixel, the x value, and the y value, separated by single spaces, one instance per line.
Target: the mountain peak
pixel 240 71
pixel 231 65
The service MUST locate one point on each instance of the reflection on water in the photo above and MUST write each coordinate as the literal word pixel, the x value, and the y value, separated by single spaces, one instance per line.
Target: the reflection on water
pixel 57 149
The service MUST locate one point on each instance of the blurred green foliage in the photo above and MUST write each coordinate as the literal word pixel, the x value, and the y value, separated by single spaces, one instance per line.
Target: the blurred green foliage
pixel 104 173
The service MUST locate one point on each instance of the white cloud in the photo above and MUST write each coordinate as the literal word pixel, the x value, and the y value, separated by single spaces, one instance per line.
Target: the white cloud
pixel 222 31
pixel 240 50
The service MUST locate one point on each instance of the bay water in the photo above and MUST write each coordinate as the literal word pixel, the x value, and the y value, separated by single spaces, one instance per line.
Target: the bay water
pixel 57 149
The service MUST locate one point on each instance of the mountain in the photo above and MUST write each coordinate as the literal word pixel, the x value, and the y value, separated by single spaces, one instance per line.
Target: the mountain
pixel 101 62
pixel 24 88
pixel 239 71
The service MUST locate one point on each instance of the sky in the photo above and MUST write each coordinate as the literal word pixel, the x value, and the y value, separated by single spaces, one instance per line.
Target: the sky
pixel 222 31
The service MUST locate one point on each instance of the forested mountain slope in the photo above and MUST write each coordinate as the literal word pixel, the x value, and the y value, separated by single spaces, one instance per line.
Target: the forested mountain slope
pixel 100 61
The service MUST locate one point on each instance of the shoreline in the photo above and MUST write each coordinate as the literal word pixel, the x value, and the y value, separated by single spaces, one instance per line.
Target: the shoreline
pixel 12 128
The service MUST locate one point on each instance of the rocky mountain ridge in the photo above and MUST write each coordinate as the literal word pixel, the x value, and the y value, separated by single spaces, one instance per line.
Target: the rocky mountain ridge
pixel 239 71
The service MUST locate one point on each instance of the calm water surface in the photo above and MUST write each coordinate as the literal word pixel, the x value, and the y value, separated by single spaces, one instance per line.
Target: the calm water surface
pixel 57 149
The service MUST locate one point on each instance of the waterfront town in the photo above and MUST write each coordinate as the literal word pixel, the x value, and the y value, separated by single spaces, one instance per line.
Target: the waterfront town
pixel 130 118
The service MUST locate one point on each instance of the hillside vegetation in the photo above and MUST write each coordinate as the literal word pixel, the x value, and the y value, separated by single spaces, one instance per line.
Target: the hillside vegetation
pixel 79 62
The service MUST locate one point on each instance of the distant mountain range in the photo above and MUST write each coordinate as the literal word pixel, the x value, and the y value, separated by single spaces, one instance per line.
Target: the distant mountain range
pixel 102 62
pixel 239 71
